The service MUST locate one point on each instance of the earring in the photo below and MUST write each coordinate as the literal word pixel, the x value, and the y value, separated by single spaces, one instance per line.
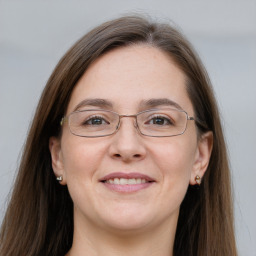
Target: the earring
pixel 198 180
pixel 59 178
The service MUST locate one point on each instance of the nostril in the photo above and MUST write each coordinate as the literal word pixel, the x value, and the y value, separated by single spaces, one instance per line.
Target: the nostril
pixel 137 155
pixel 117 155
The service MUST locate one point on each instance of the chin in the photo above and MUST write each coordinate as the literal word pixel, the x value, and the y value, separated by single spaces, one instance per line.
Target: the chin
pixel 128 225
pixel 133 219
pixel 128 218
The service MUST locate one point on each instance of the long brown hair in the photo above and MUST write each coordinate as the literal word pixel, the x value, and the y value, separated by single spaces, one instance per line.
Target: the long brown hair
pixel 39 219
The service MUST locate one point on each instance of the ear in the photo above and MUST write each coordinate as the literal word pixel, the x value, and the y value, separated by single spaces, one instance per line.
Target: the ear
pixel 202 156
pixel 57 159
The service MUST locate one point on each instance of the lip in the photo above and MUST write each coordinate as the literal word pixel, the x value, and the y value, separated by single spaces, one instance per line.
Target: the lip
pixel 131 175
pixel 127 188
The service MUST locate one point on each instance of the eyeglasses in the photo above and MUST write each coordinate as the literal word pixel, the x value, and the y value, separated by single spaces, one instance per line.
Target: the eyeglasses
pixel 164 122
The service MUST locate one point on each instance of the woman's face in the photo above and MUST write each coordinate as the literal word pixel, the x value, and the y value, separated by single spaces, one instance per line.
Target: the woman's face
pixel 128 78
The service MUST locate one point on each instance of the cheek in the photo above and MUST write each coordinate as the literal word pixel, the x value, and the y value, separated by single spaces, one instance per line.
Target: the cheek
pixel 175 157
pixel 175 163
pixel 175 160
pixel 81 158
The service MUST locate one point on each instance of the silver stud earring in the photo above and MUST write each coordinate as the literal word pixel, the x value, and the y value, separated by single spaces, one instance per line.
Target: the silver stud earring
pixel 59 178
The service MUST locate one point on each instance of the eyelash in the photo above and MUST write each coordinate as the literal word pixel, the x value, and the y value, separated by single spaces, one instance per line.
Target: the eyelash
pixel 91 118
pixel 169 120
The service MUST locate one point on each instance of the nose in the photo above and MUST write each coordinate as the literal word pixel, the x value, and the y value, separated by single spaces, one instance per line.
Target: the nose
pixel 127 143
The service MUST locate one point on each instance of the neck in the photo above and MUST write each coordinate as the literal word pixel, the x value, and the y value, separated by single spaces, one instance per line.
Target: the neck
pixel 98 241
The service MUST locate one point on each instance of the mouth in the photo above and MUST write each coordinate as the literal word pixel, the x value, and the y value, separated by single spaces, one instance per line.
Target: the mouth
pixel 123 181
pixel 127 182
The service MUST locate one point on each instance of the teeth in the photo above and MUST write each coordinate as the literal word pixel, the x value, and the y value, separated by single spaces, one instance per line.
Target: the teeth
pixel 123 181
pixel 132 181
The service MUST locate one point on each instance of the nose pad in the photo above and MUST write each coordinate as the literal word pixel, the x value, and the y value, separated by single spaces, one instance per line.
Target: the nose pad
pixel 135 124
pixel 127 145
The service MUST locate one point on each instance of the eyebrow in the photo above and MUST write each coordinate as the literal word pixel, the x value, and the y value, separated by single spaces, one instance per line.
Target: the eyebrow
pixel 152 103
pixel 94 102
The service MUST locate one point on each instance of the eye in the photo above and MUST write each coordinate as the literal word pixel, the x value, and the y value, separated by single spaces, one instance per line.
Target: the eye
pixel 95 120
pixel 160 120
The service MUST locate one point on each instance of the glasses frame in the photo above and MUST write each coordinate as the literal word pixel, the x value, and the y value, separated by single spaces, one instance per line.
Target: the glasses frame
pixel 66 119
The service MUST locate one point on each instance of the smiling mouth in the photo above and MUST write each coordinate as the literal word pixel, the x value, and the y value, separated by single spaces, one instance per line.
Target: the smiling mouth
pixel 127 182
pixel 123 181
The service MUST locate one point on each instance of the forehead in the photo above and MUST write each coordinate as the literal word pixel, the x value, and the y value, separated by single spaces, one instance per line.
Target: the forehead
pixel 127 76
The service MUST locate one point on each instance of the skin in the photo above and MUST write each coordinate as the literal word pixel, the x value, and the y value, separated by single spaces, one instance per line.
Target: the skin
pixel 107 222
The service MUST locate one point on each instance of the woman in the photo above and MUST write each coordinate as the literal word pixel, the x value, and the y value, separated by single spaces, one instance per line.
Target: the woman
pixel 125 155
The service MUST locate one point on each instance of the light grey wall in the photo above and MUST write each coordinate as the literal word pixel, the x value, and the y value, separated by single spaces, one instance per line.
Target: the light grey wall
pixel 35 34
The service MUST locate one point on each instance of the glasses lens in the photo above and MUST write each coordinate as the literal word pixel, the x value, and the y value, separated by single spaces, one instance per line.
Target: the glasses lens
pixel 162 122
pixel 93 123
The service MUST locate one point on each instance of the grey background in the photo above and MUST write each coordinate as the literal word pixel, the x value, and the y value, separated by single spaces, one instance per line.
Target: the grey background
pixel 35 34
